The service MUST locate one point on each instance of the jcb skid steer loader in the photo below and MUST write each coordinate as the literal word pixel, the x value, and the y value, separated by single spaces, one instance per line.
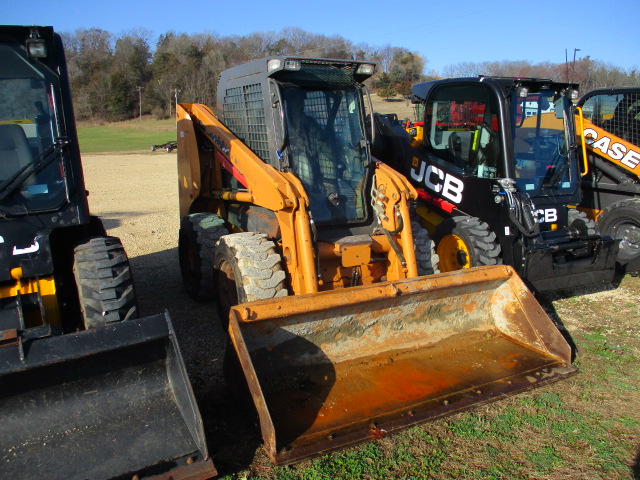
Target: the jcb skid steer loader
pixel 610 121
pixel 498 175
pixel 87 390
pixel 323 280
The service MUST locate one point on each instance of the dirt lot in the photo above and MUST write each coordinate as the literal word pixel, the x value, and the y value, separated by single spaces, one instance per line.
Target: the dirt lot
pixel 136 197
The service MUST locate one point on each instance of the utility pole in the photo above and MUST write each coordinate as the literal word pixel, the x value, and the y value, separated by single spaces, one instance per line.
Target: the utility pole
pixel 566 65
pixel 573 67
pixel 140 100
pixel 176 93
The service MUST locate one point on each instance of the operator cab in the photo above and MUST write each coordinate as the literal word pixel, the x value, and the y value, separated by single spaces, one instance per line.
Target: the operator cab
pixel 32 173
pixel 306 116
pixel 470 127
pixel 326 150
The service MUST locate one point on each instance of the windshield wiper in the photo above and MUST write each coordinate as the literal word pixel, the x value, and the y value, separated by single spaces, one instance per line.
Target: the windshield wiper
pixel 13 182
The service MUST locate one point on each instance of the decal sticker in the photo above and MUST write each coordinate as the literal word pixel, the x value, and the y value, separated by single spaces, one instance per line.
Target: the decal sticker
pixel 548 215
pixel 437 180
pixel 613 147
pixel 21 251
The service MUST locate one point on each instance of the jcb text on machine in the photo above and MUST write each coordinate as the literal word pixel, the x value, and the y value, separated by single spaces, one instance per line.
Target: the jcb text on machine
pixel 323 279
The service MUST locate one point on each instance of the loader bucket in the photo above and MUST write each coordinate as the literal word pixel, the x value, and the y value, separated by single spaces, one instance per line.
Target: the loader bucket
pixel 332 369
pixel 112 402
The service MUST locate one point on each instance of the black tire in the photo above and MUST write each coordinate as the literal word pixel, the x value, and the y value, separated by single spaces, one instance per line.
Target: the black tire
pixel 581 223
pixel 621 220
pixel 104 282
pixel 465 242
pixel 199 235
pixel 425 249
pixel 247 268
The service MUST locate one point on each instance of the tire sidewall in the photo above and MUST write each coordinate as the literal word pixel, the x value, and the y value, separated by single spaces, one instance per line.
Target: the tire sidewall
pixel 481 243
pixel 617 215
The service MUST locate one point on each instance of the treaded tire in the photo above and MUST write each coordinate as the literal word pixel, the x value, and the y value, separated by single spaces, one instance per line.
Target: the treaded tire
pixel 621 220
pixel 199 234
pixel 579 221
pixel 104 282
pixel 465 242
pixel 425 248
pixel 247 268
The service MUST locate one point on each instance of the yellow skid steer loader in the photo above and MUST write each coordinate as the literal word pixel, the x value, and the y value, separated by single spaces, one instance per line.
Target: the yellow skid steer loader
pixel 327 285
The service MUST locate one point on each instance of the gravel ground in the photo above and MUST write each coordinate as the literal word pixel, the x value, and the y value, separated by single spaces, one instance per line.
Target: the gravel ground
pixel 136 196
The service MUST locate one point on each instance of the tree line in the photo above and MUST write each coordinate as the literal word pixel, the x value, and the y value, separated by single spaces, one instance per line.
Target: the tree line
pixel 119 77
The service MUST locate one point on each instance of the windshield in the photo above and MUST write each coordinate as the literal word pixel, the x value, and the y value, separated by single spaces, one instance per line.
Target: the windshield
pixel 327 151
pixel 28 131
pixel 543 163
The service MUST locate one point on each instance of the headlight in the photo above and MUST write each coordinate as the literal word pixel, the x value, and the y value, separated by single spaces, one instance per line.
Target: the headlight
pixel 292 65
pixel 366 69
pixel 273 65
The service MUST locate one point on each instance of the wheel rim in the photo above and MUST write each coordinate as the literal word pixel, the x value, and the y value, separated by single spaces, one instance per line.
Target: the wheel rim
pixel 629 235
pixel 453 253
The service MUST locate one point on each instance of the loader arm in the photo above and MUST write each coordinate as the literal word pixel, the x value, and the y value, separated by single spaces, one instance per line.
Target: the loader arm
pixel 613 148
pixel 279 192
pixel 284 194
pixel 389 183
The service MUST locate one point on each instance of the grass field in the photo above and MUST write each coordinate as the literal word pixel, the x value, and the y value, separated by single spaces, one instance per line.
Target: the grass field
pixel 130 136
pixel 138 135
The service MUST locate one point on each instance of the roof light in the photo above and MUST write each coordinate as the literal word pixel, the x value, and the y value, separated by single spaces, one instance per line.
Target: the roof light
pixel 274 64
pixel 292 64
pixel 574 94
pixel 523 92
pixel 366 69
pixel 36 46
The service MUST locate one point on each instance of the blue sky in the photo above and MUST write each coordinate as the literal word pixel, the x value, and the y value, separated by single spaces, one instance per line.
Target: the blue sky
pixel 444 32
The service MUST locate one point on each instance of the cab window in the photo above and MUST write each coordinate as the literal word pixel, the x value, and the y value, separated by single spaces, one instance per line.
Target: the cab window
pixel 461 129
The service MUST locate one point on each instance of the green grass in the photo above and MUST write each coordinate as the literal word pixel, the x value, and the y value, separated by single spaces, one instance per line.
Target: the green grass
pixel 121 139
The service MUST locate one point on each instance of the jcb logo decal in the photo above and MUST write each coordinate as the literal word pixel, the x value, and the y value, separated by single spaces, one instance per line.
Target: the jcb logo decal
pixel 437 181
pixel 615 150
pixel 548 215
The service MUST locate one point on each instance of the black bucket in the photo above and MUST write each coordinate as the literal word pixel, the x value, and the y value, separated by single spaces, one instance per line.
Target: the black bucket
pixel 104 403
